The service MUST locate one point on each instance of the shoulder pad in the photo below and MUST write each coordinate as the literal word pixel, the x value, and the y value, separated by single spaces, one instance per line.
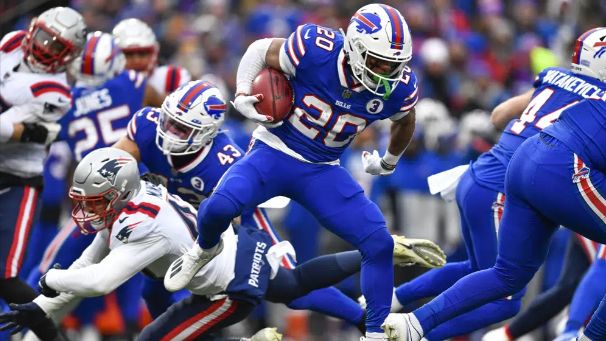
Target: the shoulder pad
pixel 131 228
pixel 11 41
pixel 308 44
pixel 143 118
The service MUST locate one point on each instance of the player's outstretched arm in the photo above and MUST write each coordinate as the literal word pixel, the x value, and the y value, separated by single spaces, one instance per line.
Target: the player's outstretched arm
pixel 510 109
pixel 400 136
pixel 128 146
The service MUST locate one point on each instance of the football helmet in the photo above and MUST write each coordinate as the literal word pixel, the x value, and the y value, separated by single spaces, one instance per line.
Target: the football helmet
pixel 378 45
pixel 138 43
pixel 54 39
pixel 103 183
pixel 101 59
pixel 589 55
pixel 190 118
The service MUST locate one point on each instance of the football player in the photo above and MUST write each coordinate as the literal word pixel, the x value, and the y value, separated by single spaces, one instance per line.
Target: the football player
pixel 555 177
pixel 182 144
pixel 342 82
pixel 139 226
pixel 34 95
pixel 140 46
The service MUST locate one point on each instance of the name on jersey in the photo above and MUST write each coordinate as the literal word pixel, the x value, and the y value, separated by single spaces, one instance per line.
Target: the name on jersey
pixel 93 101
pixel 572 84
pixel 257 263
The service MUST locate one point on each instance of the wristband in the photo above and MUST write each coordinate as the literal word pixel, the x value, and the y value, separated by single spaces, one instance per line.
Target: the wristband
pixel 390 159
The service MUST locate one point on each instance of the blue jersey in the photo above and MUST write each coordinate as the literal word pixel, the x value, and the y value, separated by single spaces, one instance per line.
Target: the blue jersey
pixel 99 115
pixel 193 177
pixel 556 90
pixel 581 128
pixel 330 107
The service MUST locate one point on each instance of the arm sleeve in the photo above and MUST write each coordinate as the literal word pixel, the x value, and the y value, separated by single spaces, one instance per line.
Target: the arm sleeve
pixel 116 268
pixel 252 62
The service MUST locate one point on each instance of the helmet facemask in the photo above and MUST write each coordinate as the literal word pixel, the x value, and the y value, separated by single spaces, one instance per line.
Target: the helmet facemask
pixel 95 212
pixel 142 59
pixel 47 51
pixel 177 137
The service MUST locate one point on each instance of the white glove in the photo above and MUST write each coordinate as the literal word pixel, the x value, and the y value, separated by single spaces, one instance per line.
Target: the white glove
pixel 246 106
pixel 53 130
pixel 375 165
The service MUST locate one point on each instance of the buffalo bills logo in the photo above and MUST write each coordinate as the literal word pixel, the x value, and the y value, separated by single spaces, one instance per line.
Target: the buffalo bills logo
pixel 215 107
pixel 112 167
pixel 581 174
pixel 367 22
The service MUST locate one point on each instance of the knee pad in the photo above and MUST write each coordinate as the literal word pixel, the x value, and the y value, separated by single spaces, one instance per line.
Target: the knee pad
pixel 378 244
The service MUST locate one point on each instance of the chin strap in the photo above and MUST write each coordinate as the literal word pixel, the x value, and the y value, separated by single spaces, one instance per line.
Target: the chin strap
pixel 387 87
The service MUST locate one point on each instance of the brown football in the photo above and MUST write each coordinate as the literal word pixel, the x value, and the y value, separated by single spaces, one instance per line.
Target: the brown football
pixel 277 94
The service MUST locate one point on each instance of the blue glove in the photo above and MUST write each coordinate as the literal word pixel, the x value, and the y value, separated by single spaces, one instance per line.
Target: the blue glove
pixel 44 288
pixel 21 316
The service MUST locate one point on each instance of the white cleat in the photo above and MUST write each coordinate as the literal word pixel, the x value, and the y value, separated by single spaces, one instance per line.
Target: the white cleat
pixel 421 252
pixel 398 327
pixel 374 337
pixel 184 268
pixel 266 334
pixel 499 334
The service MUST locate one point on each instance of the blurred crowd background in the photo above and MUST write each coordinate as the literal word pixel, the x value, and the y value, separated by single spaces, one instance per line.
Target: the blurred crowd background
pixel 469 55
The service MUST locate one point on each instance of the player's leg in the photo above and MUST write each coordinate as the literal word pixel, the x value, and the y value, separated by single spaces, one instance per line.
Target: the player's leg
pixel 339 203
pixel 194 318
pixel 325 300
pixel 587 296
pixel 478 229
pixel 129 302
pixel 596 329
pixel 18 213
pixel 551 302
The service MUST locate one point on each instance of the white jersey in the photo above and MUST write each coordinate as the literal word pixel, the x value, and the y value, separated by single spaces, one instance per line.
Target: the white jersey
pixel 26 96
pixel 165 79
pixel 148 235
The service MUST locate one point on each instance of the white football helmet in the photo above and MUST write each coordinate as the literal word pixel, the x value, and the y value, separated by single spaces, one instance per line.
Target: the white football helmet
pixel 589 55
pixel 190 118
pixel 378 36
pixel 136 38
pixel 54 39
pixel 101 59
pixel 104 182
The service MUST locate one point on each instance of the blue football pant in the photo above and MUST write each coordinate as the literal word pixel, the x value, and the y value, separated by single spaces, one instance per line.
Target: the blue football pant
pixel 481 210
pixel 549 303
pixel 543 192
pixel 328 192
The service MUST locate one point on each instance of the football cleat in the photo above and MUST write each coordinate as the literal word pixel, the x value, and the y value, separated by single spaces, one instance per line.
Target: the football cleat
pixel 398 327
pixel 499 334
pixel 421 252
pixel 266 334
pixel 569 336
pixel 184 268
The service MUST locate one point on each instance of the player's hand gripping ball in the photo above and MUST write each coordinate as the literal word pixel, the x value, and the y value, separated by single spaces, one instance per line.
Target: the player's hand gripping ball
pixel 277 94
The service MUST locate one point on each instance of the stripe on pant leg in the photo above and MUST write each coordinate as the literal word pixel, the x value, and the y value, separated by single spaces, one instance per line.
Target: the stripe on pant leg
pixel 201 322
pixel 53 248
pixel 590 194
pixel 263 224
pixel 22 227
pixel 589 247
pixel 497 211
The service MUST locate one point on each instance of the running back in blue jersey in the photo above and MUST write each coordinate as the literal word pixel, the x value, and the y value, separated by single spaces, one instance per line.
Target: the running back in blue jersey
pixel 99 115
pixel 192 177
pixel 556 90
pixel 330 108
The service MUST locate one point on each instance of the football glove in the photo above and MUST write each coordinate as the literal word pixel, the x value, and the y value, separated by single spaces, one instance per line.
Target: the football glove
pixel 40 132
pixel 21 316
pixel 44 288
pixel 420 252
pixel 375 165
pixel 246 106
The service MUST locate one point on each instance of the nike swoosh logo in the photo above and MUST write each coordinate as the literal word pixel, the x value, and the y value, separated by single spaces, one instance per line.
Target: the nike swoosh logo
pixel 306 36
pixel 122 220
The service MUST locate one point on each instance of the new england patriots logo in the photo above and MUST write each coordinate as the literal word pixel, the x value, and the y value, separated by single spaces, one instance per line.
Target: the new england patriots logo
pixel 581 174
pixel 125 232
pixel 215 107
pixel 112 167
pixel 367 22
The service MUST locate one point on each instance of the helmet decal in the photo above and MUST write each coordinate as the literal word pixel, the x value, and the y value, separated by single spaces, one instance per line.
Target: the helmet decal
pixel 112 167
pixel 367 22
pixel 191 95
pixel 215 107
pixel 397 34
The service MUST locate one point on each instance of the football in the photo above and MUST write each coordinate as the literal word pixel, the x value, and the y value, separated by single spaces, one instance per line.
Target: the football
pixel 277 94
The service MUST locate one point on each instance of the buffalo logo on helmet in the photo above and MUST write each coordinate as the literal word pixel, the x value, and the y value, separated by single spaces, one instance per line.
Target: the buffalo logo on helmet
pixel 112 167
pixel 215 107
pixel 368 23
